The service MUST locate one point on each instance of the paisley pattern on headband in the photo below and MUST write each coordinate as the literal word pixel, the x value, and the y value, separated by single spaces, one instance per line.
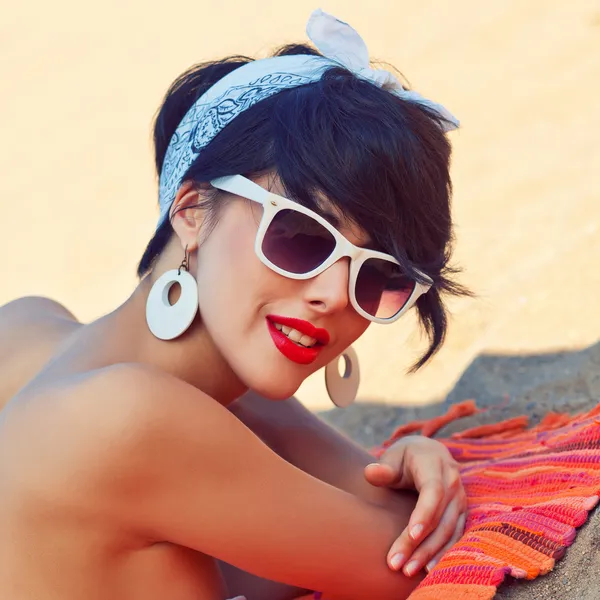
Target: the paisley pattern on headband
pixel 204 121
pixel 340 46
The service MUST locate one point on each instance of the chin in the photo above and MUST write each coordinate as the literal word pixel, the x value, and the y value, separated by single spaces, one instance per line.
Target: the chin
pixel 272 390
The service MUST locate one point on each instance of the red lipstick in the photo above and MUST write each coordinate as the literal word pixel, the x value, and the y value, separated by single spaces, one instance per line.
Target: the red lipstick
pixel 291 350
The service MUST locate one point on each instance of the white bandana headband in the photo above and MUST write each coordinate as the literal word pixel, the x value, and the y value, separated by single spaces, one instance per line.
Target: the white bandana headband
pixel 340 45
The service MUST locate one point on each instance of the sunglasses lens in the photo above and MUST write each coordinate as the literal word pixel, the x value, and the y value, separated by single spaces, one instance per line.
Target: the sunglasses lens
pixel 296 242
pixel 382 290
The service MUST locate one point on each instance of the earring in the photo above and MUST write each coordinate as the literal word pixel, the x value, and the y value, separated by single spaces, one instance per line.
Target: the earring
pixel 167 321
pixel 342 389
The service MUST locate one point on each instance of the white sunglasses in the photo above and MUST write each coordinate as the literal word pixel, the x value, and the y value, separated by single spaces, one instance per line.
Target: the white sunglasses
pixel 298 243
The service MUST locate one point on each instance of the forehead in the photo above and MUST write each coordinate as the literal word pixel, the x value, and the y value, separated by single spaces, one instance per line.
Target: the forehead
pixel 326 208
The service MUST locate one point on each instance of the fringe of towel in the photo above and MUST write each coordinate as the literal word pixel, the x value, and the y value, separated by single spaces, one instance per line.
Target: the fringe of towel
pixel 528 490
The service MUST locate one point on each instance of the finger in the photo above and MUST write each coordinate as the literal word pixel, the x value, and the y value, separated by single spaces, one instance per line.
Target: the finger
pixel 389 471
pixel 380 474
pixel 432 501
pixel 458 533
pixel 400 551
pixel 405 545
pixel 453 479
pixel 438 539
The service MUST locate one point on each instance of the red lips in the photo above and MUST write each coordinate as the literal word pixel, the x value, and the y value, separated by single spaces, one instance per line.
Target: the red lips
pixel 321 335
pixel 291 350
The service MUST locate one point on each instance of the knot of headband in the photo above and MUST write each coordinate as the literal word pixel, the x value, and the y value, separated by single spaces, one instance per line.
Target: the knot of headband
pixel 339 44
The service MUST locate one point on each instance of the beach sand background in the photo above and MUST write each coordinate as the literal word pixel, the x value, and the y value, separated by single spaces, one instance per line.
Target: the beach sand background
pixel 81 82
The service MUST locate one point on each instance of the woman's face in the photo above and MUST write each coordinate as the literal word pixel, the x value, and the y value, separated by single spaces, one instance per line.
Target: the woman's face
pixel 245 306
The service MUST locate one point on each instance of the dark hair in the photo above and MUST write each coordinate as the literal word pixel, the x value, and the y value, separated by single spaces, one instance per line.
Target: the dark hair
pixel 382 160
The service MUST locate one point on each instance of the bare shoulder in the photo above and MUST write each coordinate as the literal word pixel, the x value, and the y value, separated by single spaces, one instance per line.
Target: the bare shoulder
pixel 33 308
pixel 115 423
pixel 153 456
pixel 111 441
pixel 168 463
pixel 31 330
pixel 126 402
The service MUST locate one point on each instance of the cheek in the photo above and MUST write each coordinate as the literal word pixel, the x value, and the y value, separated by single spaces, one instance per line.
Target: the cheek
pixel 357 326
pixel 229 274
pixel 354 326
pixel 225 265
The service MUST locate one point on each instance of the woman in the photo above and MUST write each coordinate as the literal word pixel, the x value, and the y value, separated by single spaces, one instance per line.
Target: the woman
pixel 133 456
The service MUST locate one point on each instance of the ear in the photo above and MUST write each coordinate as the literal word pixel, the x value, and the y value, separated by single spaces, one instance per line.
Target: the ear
pixel 186 216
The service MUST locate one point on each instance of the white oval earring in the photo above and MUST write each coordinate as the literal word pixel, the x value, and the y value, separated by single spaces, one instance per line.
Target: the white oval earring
pixel 167 321
pixel 342 389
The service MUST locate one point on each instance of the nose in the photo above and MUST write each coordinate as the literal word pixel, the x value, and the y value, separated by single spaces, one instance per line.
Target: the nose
pixel 328 291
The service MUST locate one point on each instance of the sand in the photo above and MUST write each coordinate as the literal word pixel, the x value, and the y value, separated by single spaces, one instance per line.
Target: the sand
pixel 81 82
pixel 566 383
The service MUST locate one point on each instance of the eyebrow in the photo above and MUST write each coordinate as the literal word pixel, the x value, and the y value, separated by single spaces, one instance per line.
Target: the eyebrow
pixel 337 222
pixel 331 218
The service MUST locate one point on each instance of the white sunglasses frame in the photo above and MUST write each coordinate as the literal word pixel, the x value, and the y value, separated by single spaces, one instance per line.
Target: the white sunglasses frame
pixel 273 203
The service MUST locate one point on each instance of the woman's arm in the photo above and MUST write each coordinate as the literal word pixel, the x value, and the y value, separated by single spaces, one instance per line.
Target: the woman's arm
pixel 309 443
pixel 413 463
pixel 188 472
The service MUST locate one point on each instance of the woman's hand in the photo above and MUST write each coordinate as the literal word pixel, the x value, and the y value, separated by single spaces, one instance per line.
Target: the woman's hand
pixel 438 520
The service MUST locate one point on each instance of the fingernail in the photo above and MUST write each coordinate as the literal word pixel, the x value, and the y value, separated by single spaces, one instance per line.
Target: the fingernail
pixel 416 531
pixel 430 565
pixel 411 568
pixel 396 561
pixel 372 465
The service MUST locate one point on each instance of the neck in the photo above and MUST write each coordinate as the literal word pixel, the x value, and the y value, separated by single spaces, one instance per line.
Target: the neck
pixel 123 336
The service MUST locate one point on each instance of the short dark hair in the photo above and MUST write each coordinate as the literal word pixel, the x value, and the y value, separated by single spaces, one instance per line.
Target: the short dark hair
pixel 382 160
